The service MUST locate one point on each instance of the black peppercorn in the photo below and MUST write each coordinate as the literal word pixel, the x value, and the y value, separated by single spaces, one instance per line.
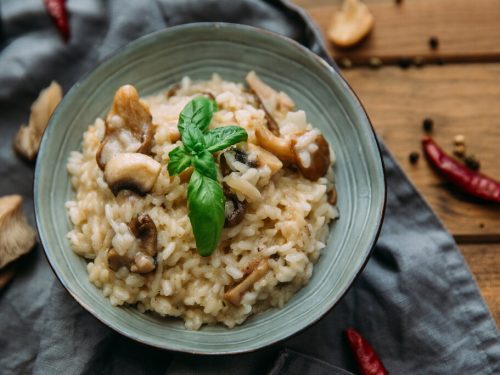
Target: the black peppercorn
pixel 433 43
pixel 413 157
pixel 404 62
pixel 472 163
pixel 427 125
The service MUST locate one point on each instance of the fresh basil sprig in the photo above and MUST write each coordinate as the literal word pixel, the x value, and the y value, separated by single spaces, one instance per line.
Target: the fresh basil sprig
pixel 205 196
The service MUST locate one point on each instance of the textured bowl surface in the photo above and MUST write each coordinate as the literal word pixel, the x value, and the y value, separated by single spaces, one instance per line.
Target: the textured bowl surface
pixel 153 63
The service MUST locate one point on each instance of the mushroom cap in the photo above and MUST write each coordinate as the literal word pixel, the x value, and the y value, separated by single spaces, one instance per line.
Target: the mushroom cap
pixel 27 140
pixel 17 237
pixel 131 171
pixel 351 24
pixel 319 160
pixel 129 115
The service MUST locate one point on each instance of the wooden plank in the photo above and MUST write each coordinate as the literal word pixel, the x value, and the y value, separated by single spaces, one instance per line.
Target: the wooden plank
pixel 461 99
pixel 467 30
pixel 484 262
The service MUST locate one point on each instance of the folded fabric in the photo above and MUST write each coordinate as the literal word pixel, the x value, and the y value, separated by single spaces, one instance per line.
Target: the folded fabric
pixel 416 300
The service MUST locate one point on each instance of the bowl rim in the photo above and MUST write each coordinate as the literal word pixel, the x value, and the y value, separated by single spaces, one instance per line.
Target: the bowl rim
pixel 211 25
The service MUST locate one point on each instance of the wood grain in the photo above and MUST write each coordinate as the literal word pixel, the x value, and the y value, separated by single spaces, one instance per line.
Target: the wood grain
pixel 484 262
pixel 467 30
pixel 461 99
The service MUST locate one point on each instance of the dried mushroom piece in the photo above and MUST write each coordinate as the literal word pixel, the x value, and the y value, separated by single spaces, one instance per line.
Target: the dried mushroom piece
pixel 313 154
pixel 27 140
pixel 235 295
pixel 234 210
pixel 275 104
pixel 144 229
pixel 129 126
pixel 131 171
pixel 264 157
pixel 308 151
pixel 351 24
pixel 144 260
pixel 17 237
pixel 117 261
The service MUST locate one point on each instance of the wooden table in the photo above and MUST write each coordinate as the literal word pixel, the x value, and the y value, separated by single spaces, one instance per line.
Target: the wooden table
pixel 458 86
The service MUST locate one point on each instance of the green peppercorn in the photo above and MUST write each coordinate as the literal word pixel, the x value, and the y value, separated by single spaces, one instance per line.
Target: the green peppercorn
pixel 375 62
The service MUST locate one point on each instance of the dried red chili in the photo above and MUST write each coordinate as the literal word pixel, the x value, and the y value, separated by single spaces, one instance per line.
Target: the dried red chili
pixel 58 13
pixel 471 182
pixel 368 361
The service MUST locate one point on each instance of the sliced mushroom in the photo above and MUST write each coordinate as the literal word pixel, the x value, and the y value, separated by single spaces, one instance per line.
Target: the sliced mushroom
pixel 27 140
pixel 131 171
pixel 129 126
pixel 351 24
pixel 144 260
pixel 117 261
pixel 265 158
pixel 234 210
pixel 17 237
pixel 144 228
pixel 309 151
pixel 236 294
pixel 275 104
pixel 279 146
pixel 313 155
pixel 228 157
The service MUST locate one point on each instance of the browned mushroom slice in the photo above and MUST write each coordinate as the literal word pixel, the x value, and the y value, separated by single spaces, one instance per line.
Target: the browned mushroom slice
pixel 131 171
pixel 234 211
pixel 27 140
pixel 309 151
pixel 275 104
pixel 129 126
pixel 234 154
pixel 279 146
pixel 313 155
pixel 236 294
pixel 144 229
pixel 117 261
pixel 17 237
pixel 264 157
pixel 351 24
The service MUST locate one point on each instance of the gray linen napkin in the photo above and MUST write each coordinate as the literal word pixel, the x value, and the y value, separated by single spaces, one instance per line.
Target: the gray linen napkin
pixel 416 300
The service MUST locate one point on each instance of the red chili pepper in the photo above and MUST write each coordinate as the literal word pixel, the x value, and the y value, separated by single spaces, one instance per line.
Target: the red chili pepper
pixel 368 361
pixel 59 15
pixel 471 182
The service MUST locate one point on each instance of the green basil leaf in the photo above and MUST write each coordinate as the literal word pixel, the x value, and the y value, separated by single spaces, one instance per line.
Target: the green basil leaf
pixel 206 212
pixel 220 138
pixel 205 164
pixel 197 112
pixel 193 139
pixel 179 160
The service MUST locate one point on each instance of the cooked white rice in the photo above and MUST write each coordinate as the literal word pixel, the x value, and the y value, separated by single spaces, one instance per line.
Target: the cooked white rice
pixel 286 221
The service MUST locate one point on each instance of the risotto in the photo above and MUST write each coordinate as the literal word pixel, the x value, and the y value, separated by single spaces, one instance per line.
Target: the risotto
pixel 132 220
